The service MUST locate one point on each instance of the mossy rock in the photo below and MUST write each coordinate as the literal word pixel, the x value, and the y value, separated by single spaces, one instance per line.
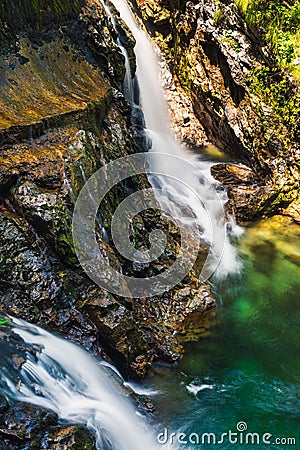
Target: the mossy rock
pixel 48 215
pixel 34 15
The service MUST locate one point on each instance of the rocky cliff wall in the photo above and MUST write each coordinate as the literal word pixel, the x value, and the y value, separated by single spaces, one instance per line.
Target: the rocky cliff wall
pixel 247 105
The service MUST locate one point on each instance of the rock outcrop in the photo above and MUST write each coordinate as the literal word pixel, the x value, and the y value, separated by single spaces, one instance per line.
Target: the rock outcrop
pixel 217 57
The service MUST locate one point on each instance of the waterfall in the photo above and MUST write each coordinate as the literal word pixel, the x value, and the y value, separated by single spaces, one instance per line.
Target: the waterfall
pixel 187 186
pixel 70 190
pixel 80 389
pixel 127 83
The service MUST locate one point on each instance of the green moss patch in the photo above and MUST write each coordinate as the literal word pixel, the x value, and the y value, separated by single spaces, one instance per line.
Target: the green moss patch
pixel 274 88
pixel 279 23
pixel 34 15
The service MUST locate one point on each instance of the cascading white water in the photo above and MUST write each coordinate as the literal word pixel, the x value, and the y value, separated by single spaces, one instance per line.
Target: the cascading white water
pixel 127 83
pixel 79 389
pixel 186 186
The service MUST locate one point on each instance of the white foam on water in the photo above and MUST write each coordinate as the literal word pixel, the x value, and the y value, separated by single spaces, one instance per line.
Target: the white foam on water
pixel 65 379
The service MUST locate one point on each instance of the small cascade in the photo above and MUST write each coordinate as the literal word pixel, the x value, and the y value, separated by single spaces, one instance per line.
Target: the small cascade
pixel 127 83
pixel 70 190
pixel 65 379
pixel 30 135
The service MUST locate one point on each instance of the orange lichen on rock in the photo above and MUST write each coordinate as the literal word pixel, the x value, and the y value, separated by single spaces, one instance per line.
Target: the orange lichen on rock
pixel 46 81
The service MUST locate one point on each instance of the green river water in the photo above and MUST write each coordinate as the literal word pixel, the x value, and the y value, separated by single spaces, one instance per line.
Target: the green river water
pixel 248 368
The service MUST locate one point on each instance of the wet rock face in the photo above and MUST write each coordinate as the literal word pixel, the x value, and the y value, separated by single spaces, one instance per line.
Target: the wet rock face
pixel 22 427
pixel 36 286
pixel 101 38
pixel 247 197
pixel 212 51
